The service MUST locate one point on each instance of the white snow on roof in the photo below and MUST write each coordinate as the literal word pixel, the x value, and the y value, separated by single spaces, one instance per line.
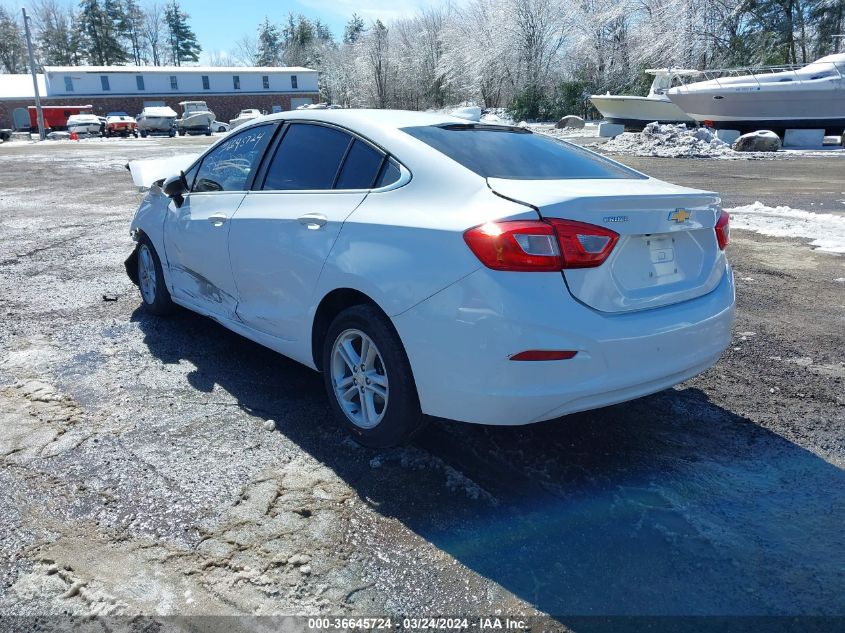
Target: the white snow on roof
pixel 206 70
pixel 20 86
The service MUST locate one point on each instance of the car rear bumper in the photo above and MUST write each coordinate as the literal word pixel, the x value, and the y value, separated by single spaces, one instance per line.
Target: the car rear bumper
pixel 459 342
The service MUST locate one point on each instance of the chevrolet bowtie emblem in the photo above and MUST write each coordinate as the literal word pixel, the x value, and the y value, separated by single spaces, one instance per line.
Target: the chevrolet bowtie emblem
pixel 679 215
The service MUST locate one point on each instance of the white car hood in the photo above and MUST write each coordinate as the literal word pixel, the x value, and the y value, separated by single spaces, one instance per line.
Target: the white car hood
pixel 146 172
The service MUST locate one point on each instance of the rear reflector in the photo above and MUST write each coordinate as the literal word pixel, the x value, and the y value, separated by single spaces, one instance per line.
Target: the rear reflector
pixel 723 230
pixel 540 245
pixel 543 354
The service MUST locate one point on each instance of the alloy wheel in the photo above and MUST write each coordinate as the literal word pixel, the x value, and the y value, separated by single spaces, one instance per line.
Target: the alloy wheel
pixel 359 378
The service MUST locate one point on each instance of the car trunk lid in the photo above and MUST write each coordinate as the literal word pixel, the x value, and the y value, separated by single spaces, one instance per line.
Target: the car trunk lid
pixel 667 250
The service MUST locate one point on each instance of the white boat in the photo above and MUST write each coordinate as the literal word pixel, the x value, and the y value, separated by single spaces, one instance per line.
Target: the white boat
pixel 84 124
pixel 157 120
pixel 196 118
pixel 243 117
pixel 774 98
pixel 635 112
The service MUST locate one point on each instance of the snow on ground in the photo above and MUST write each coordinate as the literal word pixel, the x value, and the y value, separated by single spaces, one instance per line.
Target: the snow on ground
pixel 590 129
pixel 678 141
pixel 826 231
pixel 671 141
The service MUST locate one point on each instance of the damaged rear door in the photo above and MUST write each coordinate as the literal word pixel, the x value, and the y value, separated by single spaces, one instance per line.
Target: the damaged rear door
pixel 196 233
pixel 287 225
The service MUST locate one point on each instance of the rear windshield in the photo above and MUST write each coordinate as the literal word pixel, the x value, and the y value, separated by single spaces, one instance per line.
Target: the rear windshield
pixel 494 151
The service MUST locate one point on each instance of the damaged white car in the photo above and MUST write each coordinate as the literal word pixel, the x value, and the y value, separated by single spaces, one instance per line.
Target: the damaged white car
pixel 431 266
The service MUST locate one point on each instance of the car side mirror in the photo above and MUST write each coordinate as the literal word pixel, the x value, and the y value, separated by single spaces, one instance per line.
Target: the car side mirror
pixel 175 188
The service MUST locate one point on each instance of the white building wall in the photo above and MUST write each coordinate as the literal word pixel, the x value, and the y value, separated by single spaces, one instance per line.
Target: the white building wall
pixel 189 81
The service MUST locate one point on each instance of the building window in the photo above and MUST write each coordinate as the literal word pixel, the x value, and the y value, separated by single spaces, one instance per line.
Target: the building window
pixel 236 82
pixel 174 85
pixel 205 83
pixel 68 83
pixel 293 81
pixel 265 81
pixel 139 80
pixel 104 82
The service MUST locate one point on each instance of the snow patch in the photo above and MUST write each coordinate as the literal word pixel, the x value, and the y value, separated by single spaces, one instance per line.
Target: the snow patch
pixel 825 230
pixel 670 141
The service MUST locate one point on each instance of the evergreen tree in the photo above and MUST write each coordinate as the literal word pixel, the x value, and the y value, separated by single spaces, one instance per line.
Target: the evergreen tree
pixel 269 44
pixel 132 28
pixel 58 37
pixel 12 44
pixel 183 41
pixel 101 28
pixel 354 29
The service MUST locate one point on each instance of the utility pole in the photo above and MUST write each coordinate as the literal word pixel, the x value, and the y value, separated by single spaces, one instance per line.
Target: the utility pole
pixel 41 132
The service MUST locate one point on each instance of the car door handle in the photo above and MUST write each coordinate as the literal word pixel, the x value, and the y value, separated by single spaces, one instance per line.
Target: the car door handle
pixel 313 221
pixel 218 219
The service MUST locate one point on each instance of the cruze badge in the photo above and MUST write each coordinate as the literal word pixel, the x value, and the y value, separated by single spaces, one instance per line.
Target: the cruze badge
pixel 679 215
pixel 615 218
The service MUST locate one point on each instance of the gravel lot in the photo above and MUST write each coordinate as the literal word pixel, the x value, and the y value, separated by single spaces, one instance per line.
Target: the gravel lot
pixel 137 475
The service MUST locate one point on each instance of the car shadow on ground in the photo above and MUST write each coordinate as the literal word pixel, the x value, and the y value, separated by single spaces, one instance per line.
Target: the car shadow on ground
pixel 662 506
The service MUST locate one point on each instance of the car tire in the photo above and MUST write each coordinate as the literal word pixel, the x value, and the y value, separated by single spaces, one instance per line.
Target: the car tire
pixel 154 294
pixel 383 409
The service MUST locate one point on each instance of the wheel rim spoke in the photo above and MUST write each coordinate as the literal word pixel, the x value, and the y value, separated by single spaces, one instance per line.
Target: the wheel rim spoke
pixel 349 355
pixel 369 406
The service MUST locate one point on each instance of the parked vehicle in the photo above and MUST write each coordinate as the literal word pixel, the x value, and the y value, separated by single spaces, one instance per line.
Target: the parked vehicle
pixel 219 126
pixel 55 117
pixel 635 112
pixel 244 117
pixel 157 120
pixel 196 118
pixel 430 265
pixel 120 124
pixel 86 124
pixel 774 98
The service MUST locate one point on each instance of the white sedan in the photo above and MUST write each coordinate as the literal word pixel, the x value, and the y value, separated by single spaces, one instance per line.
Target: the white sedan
pixel 431 266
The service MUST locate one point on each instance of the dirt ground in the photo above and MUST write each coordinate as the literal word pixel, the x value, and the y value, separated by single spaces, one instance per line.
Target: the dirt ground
pixel 137 475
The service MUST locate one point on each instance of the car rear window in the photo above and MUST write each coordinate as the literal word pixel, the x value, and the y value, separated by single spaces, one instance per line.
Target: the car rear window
pixel 495 151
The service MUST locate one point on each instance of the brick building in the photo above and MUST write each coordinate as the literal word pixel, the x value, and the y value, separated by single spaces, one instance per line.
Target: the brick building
pixel 226 90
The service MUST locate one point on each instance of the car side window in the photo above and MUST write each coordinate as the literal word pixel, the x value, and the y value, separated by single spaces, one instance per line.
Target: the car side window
pixel 228 166
pixel 361 167
pixel 389 174
pixel 191 174
pixel 307 158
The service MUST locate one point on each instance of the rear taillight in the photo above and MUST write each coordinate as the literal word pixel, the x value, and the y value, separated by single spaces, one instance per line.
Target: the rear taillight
pixel 583 245
pixel 540 246
pixel 519 245
pixel 723 230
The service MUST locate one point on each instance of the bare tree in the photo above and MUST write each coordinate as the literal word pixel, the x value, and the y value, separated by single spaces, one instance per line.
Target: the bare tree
pixel 152 33
pixel 247 51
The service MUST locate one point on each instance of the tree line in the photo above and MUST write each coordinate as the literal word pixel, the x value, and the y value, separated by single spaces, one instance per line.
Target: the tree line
pixel 539 58
pixel 99 33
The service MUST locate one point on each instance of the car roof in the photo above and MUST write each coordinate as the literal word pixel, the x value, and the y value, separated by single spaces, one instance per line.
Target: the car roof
pixel 380 126
pixel 383 127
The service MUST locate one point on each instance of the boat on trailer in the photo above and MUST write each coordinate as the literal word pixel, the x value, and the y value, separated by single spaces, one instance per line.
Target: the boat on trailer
pixel 777 98
pixel 196 118
pixel 635 112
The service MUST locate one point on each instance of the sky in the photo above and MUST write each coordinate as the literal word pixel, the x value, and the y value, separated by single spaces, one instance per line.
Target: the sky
pixel 218 26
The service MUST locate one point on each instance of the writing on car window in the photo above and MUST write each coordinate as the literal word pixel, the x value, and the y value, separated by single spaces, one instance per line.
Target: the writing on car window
pixel 229 166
